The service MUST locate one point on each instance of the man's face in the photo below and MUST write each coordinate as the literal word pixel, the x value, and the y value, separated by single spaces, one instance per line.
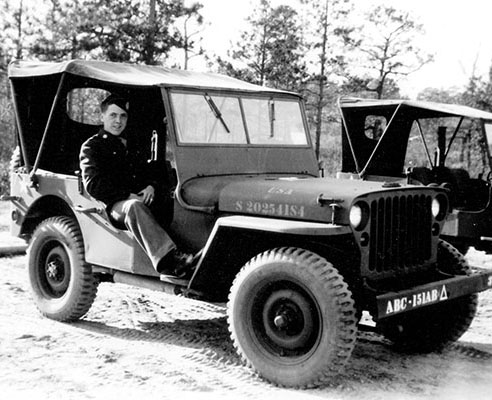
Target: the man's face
pixel 114 119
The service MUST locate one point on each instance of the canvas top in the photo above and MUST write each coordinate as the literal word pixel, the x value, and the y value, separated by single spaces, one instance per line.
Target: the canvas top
pixel 133 75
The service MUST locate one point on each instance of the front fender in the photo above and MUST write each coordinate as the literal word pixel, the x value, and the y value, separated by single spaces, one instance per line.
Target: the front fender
pixel 234 240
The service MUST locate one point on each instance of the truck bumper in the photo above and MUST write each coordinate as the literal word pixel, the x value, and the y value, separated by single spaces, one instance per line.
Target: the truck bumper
pixel 394 303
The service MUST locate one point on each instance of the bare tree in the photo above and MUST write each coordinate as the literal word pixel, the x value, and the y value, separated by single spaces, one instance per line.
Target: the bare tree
pixel 192 20
pixel 388 42
pixel 328 35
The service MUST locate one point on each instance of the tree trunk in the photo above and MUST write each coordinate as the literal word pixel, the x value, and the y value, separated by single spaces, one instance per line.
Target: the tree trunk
pixel 19 31
pixel 321 83
pixel 150 39
pixel 186 44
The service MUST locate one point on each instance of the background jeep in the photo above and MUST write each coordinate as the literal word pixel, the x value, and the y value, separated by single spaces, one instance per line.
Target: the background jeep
pixel 296 257
pixel 426 143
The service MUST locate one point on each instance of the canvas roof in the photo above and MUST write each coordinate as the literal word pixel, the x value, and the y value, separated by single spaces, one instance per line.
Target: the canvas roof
pixel 424 109
pixel 133 74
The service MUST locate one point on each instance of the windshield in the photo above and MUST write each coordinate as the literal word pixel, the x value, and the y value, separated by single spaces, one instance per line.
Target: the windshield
pixel 203 118
pixel 488 133
pixel 462 144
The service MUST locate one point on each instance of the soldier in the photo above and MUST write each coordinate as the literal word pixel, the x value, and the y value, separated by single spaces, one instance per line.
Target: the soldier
pixel 111 176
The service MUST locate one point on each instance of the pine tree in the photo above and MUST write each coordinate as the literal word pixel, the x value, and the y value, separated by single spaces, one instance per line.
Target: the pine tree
pixel 271 51
pixel 140 31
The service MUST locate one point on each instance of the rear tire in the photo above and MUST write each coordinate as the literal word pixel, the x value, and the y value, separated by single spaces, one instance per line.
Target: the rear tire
pixel 15 160
pixel 292 317
pixel 432 328
pixel 62 284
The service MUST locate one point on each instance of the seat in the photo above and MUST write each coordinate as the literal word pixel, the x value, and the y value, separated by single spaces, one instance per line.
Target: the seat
pixel 421 175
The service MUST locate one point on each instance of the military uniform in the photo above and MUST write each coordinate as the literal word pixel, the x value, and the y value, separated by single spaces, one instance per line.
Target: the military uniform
pixel 110 174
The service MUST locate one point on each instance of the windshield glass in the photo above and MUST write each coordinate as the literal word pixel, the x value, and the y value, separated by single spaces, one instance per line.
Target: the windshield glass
pixel 208 119
pixel 226 119
pixel 463 148
pixel 488 133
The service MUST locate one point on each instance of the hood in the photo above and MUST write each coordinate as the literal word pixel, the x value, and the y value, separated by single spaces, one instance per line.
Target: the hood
pixel 309 199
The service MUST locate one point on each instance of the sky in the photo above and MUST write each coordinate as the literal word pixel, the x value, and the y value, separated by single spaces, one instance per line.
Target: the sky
pixel 458 33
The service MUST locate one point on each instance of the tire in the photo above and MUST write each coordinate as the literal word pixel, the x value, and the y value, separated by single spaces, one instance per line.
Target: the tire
pixel 292 317
pixel 434 327
pixel 15 160
pixel 62 284
pixel 462 248
pixel 458 245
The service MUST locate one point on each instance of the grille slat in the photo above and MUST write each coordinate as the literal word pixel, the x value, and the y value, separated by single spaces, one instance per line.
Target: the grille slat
pixel 400 232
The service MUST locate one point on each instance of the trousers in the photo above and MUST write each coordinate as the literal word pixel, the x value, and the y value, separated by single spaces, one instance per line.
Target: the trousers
pixel 139 220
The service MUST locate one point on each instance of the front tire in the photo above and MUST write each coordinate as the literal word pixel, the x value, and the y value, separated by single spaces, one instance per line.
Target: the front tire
pixel 432 328
pixel 292 317
pixel 62 284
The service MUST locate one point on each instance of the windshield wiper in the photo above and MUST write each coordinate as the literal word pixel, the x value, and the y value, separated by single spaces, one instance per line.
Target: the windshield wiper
pixel 216 111
pixel 271 114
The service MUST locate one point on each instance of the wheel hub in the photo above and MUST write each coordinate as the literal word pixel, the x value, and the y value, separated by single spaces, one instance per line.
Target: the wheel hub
pixel 54 270
pixel 288 319
pixel 281 321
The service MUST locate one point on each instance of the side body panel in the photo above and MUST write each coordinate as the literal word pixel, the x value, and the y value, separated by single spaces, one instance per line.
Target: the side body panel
pixel 104 244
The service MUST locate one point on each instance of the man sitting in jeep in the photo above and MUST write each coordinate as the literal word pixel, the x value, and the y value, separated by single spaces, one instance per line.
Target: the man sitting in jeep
pixel 110 175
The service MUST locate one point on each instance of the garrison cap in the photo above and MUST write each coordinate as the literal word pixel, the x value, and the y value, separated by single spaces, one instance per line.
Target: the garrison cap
pixel 120 101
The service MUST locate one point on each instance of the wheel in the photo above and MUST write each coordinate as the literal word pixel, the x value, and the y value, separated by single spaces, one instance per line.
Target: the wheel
pixel 458 245
pixel 62 284
pixel 432 328
pixel 15 159
pixel 292 317
pixel 462 248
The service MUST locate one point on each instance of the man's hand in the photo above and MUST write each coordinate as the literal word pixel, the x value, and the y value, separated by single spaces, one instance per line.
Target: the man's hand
pixel 134 196
pixel 147 195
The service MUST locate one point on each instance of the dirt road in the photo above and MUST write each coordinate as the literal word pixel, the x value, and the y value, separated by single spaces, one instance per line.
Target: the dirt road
pixel 139 344
pixel 136 343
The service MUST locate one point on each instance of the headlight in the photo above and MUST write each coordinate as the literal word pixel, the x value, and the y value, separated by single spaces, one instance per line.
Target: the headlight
pixel 436 207
pixel 439 207
pixel 359 215
pixel 355 215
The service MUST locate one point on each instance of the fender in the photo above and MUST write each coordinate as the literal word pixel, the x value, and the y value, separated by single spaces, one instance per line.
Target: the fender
pixel 226 251
pixel 279 226
pixel 274 226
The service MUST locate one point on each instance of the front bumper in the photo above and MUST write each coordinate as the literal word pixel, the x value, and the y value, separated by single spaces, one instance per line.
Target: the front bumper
pixel 394 303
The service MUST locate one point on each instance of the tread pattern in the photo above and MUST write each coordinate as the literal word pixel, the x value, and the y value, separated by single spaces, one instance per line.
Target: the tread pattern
pixel 84 290
pixel 15 160
pixel 460 266
pixel 434 327
pixel 324 272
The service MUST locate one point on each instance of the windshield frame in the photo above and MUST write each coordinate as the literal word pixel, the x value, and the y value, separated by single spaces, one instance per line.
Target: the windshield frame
pixel 485 137
pixel 448 141
pixel 240 96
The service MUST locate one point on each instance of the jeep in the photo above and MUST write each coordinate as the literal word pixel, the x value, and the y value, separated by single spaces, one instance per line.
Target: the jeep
pixel 296 257
pixel 426 143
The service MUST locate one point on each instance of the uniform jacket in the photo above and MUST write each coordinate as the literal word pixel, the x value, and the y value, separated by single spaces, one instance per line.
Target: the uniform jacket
pixel 110 172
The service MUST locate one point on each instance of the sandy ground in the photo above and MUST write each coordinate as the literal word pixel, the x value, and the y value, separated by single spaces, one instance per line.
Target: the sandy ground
pixel 136 343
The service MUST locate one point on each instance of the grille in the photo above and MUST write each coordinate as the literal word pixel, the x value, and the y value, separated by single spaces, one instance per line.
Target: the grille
pixel 400 232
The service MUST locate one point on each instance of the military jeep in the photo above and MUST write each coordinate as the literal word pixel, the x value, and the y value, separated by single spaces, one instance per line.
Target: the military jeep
pixel 426 143
pixel 297 258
